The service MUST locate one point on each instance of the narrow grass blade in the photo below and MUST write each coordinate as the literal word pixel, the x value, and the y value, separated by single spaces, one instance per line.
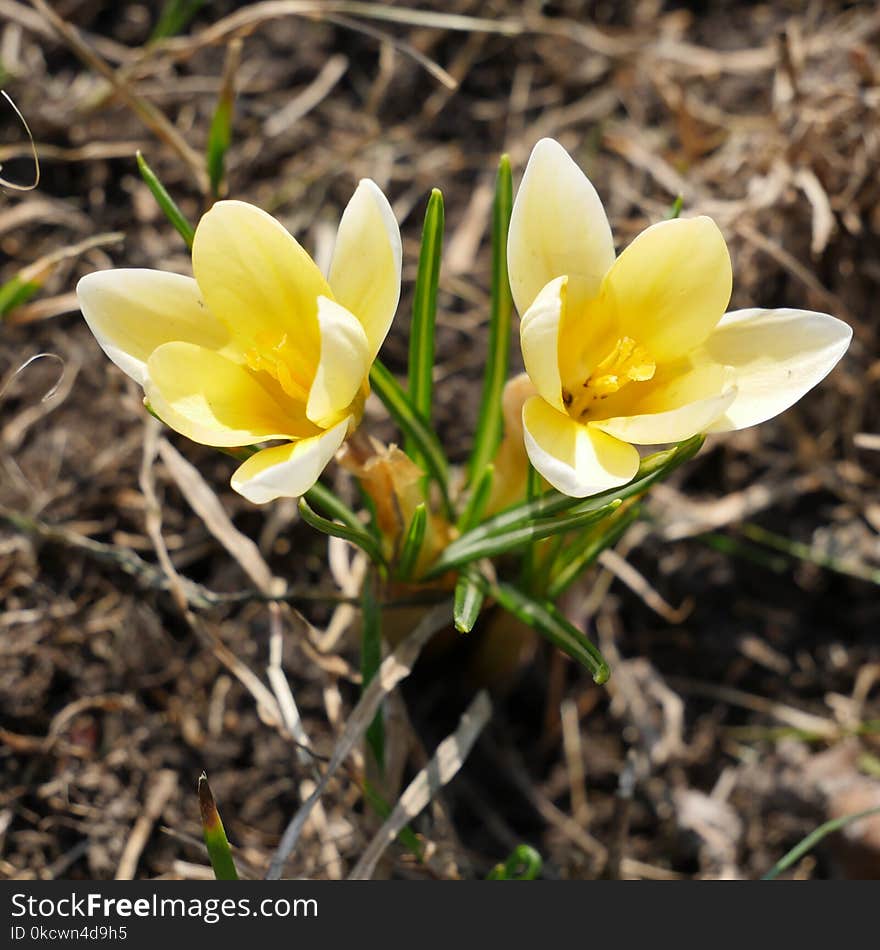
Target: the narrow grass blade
pixel 491 423
pixel 357 535
pixel 524 864
pixel 675 210
pixel 812 839
pixel 175 17
pixel 15 292
pixel 215 835
pixel 407 837
pixel 469 597
pixel 412 544
pixel 371 658
pixel 550 623
pixel 652 469
pixel 803 552
pixel 464 552
pixel 422 329
pixel 332 505
pixel 478 498
pixel 220 135
pixel 415 429
pixel 573 560
pixel 166 202
pixel 530 554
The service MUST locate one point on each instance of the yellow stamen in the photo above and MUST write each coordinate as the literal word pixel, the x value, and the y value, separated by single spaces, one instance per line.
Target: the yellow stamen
pixel 628 362
pixel 276 359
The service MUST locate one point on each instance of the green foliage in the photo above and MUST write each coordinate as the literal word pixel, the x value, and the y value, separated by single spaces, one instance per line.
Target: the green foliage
pixel 412 544
pixel 812 839
pixel 175 17
pixel 15 292
pixel 491 423
pixel 468 602
pixel 166 202
pixel 357 534
pixel 423 326
pixel 549 622
pixel 416 430
pixel 524 864
pixel 215 835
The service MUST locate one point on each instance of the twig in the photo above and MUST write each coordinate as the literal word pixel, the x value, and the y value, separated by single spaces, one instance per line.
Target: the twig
pixel 394 668
pixel 444 765
pixel 157 798
pixel 146 111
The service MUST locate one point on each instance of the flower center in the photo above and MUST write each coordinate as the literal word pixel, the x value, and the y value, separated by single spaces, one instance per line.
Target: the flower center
pixel 279 360
pixel 628 362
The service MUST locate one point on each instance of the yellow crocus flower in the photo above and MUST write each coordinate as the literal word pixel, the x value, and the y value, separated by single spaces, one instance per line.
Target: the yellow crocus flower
pixel 638 349
pixel 259 347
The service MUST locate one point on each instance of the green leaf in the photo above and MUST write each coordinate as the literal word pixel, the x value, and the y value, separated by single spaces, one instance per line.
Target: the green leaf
pixel 574 559
pixel 332 505
pixel 414 428
pixel 422 329
pixel 550 623
pixel 371 658
pixel 812 839
pixel 469 597
pixel 219 140
pixel 215 835
pixel 407 837
pixel 166 202
pixel 491 421
pixel 220 135
pixel 412 544
pixel 675 210
pixel 464 551
pixel 524 864
pixel 480 493
pixel 534 484
pixel 175 16
pixel 357 535
pixel 15 292
pixel 652 469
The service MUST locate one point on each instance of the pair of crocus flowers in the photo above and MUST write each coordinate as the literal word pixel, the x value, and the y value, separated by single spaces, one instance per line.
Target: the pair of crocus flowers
pixel 620 351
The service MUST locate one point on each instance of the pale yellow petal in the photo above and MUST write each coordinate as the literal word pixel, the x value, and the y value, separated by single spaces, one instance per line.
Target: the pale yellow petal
pixel 777 356
pixel 558 227
pixel 288 471
pixel 257 279
pixel 132 311
pixel 670 287
pixel 539 339
pixel 215 401
pixel 365 269
pixel 343 366
pixel 575 459
pixel 671 425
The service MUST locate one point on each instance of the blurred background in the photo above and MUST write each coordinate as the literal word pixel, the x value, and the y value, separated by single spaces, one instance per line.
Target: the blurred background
pixel 741 614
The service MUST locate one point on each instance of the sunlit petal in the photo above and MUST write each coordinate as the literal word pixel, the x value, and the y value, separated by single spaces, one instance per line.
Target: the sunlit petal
pixel 776 356
pixel 133 311
pixel 215 401
pixel 365 270
pixel 343 366
pixel 671 425
pixel 670 287
pixel 577 460
pixel 558 227
pixel 257 279
pixel 288 471
pixel 539 338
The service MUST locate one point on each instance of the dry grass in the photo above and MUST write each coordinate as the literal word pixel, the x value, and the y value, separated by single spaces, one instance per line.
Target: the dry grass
pixel 136 644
